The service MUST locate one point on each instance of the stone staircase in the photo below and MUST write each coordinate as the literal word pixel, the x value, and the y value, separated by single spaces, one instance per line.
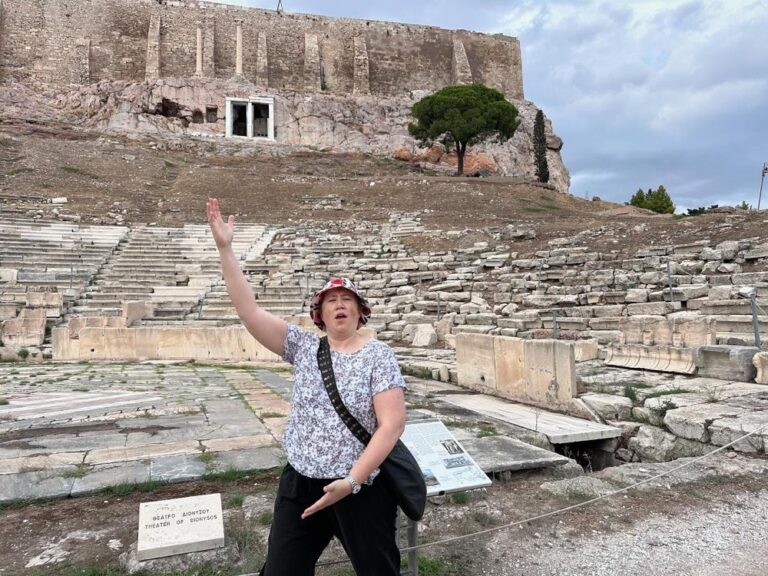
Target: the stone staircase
pixel 51 256
pixel 172 268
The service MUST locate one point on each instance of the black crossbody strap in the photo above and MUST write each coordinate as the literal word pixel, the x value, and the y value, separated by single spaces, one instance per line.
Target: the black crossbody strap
pixel 329 379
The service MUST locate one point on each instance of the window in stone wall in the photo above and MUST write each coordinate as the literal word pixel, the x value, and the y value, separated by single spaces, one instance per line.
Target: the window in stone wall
pixel 239 119
pixel 197 117
pixel 260 120
pixel 211 114
pixel 252 118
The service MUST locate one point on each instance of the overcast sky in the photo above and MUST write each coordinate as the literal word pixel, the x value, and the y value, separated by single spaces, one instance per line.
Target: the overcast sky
pixel 643 93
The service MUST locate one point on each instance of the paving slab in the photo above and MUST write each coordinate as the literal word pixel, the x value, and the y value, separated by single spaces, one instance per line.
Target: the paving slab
pixel 177 468
pixel 276 382
pixel 253 459
pixel 254 427
pixel 108 455
pixel 239 443
pixel 38 484
pixel 502 454
pixel 171 421
pixel 230 412
pixel 40 462
pixel 694 422
pixel 106 475
pixel 558 428
pixel 727 430
pixel 77 442
pixel 66 405
pixel 179 434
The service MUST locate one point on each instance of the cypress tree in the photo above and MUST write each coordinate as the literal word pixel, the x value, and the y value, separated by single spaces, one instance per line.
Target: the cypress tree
pixel 540 148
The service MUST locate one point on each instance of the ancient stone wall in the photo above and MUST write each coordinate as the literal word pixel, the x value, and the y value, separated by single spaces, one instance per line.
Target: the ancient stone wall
pixel 85 41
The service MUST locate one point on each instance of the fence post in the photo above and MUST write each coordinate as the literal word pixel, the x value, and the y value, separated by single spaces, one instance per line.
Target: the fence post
pixel 755 323
pixel 438 306
pixel 555 329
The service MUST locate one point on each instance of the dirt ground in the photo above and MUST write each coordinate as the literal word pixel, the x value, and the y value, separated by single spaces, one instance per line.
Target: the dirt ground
pixel 112 520
pixel 114 180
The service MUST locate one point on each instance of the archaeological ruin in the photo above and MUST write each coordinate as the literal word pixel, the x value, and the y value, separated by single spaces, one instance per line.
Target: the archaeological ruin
pixel 273 79
pixel 572 344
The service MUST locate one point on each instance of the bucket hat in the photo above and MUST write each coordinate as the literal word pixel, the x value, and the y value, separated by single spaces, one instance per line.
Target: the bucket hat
pixel 317 301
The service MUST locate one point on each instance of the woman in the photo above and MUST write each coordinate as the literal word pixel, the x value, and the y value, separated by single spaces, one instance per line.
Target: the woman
pixel 327 488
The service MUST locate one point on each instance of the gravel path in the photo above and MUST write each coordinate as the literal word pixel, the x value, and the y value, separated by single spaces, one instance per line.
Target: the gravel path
pixel 729 538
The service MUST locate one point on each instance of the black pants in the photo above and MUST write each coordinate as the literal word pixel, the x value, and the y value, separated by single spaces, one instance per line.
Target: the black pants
pixel 364 523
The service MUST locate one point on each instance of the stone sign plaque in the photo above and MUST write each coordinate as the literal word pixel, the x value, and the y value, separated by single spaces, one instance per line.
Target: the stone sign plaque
pixel 181 525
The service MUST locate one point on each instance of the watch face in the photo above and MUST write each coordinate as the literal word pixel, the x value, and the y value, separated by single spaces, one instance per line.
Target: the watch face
pixel 355 486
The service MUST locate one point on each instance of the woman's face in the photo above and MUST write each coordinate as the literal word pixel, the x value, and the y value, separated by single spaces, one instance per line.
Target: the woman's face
pixel 340 310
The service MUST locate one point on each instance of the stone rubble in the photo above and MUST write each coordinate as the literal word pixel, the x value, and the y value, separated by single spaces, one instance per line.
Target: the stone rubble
pixel 614 305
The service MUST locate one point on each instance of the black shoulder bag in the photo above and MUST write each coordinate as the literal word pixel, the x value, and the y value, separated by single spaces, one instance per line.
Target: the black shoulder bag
pixel 399 471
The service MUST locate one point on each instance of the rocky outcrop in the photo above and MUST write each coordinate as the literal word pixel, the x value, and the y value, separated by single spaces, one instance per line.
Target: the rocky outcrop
pixel 169 108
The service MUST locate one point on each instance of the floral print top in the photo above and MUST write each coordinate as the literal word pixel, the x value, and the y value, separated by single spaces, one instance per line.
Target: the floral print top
pixel 316 442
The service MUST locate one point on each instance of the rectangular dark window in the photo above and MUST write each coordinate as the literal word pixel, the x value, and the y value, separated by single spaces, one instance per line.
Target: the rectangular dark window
pixel 260 120
pixel 239 119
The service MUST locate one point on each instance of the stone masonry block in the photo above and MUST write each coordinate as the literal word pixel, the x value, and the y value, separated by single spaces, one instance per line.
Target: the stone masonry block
pixel 475 362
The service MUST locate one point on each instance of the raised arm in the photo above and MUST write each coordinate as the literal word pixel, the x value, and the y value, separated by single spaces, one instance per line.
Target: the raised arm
pixel 267 328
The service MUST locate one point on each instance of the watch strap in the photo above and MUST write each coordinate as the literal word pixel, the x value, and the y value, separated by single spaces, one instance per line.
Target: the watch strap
pixel 354 483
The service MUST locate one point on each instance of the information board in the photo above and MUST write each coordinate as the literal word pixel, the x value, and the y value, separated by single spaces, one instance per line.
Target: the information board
pixel 446 466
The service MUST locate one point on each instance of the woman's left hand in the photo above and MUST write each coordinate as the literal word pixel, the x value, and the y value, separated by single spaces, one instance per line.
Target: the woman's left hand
pixel 334 492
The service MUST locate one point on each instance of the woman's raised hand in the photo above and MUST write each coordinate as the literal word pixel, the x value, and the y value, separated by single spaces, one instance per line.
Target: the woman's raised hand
pixel 223 232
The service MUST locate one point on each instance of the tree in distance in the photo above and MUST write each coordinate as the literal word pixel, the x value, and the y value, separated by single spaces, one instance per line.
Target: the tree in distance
pixel 462 116
pixel 657 200
pixel 540 148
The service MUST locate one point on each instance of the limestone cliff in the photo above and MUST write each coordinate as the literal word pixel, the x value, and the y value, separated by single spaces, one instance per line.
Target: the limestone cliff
pixel 182 107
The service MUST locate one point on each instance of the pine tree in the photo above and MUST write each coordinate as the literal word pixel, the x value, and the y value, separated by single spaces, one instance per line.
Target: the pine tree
pixel 540 148
pixel 463 116
pixel 638 199
pixel 659 201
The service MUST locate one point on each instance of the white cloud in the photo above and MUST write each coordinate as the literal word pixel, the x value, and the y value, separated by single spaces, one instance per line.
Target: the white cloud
pixel 721 100
pixel 643 93
pixel 671 91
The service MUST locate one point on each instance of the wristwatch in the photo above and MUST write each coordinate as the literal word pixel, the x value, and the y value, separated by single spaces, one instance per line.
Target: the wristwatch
pixel 354 483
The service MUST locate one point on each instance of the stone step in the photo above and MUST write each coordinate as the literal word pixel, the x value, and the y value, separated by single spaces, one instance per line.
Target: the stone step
pixel 726 307
pixel 740 323
pixel 91 311
pixel 230 313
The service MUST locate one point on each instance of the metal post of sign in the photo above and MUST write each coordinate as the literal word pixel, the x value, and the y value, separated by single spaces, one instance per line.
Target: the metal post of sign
pixel 438 456
pixel 755 323
pixel 438 306
pixel 762 178
pixel 413 536
pixel 669 281
pixel 554 327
